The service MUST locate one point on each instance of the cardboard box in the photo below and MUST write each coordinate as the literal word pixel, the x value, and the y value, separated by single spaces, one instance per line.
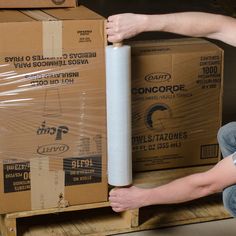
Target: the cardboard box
pixel 176 102
pixel 53 109
pixel 37 3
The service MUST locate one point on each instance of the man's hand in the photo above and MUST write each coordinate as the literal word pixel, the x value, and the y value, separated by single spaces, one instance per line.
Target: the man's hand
pixel 124 26
pixel 122 199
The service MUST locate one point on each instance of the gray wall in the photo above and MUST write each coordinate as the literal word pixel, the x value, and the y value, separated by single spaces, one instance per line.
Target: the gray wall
pixel 226 7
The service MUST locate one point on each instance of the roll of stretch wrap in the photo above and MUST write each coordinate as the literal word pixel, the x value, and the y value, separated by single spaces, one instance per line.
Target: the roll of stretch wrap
pixel 118 74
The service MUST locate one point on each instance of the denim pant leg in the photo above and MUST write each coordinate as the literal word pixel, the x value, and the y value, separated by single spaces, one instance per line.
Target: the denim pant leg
pixel 227 141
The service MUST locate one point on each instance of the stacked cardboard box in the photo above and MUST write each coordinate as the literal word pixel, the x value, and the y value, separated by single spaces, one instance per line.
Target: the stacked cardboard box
pixel 176 102
pixel 52 103
pixel 37 3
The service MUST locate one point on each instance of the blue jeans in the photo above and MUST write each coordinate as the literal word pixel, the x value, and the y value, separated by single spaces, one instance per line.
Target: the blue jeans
pixel 227 141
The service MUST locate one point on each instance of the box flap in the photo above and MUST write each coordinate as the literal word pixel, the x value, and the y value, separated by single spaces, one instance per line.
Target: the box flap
pixel 183 45
pixel 13 16
pixel 78 13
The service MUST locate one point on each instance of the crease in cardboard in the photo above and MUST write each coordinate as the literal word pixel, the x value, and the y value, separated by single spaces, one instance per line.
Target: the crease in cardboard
pixel 47 186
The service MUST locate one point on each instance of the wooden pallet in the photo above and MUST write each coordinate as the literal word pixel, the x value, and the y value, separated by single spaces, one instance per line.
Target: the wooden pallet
pixel 98 219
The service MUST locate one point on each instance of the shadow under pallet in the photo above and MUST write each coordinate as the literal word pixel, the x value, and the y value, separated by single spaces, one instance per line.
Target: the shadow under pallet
pixel 99 219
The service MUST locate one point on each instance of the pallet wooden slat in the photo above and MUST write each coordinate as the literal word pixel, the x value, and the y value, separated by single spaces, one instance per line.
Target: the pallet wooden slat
pixel 7 226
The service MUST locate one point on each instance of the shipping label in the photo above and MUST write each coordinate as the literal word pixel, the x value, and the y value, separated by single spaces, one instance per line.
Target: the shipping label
pixel 209 76
pixel 83 170
pixel 16 177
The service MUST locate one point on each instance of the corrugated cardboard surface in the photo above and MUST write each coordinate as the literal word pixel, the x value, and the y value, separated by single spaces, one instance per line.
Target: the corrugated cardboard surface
pixel 176 102
pixel 52 123
pixel 36 3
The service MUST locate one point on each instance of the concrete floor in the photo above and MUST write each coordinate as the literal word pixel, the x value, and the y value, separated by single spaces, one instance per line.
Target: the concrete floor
pixel 213 228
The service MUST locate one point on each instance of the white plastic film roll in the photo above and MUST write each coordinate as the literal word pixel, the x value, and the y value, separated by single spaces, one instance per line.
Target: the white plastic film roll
pixel 118 74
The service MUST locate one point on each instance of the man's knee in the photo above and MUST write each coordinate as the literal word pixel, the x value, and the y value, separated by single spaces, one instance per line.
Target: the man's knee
pixel 229 200
pixel 226 132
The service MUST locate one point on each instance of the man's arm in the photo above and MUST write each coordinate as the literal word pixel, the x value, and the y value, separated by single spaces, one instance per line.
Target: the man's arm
pixel 181 190
pixel 195 24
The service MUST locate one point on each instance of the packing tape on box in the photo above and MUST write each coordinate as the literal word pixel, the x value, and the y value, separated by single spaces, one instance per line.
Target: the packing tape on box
pixel 52 32
pixel 118 92
pixel 47 186
pixel 52 38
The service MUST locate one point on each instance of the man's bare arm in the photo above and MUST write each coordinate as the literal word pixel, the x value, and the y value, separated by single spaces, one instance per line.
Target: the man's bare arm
pixel 195 24
pixel 181 190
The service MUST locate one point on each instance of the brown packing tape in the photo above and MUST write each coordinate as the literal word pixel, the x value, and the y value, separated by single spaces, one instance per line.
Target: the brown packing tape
pixel 47 187
pixel 52 38
pixel 52 32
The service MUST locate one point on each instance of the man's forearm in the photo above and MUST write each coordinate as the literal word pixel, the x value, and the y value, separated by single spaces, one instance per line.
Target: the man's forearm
pixel 195 24
pixel 180 190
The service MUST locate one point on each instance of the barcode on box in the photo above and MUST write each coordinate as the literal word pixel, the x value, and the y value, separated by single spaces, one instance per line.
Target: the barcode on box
pixel 209 151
